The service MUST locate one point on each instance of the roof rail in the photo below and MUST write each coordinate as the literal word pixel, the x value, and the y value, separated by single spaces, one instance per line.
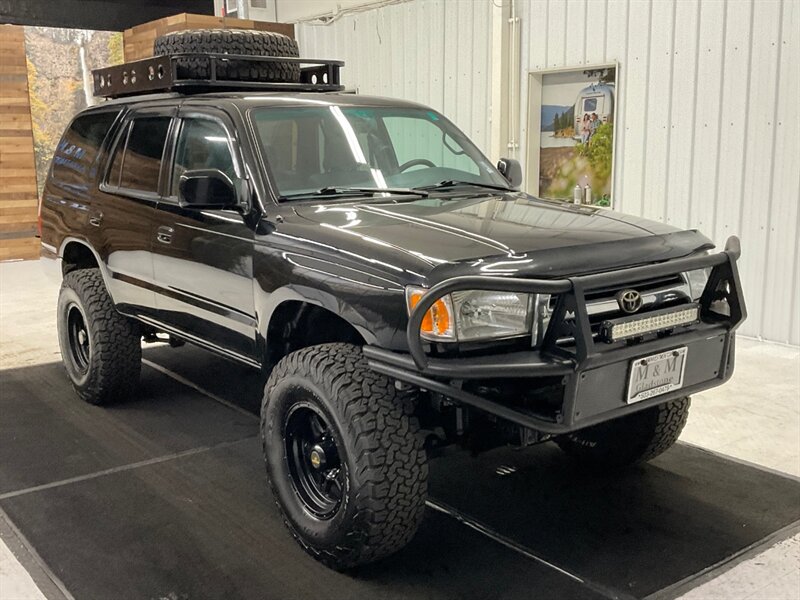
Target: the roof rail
pixel 161 74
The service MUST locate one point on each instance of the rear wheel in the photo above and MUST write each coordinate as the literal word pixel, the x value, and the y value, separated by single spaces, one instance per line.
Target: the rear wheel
pixel 100 347
pixel 231 41
pixel 344 457
pixel 631 439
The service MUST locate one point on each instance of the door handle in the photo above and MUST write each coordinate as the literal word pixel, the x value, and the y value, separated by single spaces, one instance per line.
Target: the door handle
pixel 164 234
pixel 96 219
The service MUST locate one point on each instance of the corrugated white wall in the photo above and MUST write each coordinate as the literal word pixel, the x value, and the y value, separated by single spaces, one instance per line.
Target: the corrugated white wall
pixel 708 123
pixel 436 52
pixel 708 119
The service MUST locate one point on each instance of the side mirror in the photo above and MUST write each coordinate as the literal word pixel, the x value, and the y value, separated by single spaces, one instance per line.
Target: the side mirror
pixel 511 170
pixel 204 189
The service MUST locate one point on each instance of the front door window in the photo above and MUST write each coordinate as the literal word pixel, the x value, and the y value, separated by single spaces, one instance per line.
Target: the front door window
pixel 202 144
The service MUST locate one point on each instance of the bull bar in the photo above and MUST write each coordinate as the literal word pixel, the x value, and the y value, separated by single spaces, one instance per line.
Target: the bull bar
pixel 587 356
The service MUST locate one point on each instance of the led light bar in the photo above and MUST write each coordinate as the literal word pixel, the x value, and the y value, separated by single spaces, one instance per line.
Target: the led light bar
pixel 652 322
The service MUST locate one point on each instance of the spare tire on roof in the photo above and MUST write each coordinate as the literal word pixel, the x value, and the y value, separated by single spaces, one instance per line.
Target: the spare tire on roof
pixel 231 41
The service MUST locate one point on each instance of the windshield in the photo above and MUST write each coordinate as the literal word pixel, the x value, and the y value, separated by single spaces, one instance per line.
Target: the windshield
pixel 313 148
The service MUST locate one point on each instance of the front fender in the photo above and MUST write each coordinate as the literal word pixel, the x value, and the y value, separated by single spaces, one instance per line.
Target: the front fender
pixel 354 315
pixel 290 268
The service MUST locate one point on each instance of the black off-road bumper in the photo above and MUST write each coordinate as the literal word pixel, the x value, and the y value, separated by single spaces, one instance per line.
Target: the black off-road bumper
pixel 593 374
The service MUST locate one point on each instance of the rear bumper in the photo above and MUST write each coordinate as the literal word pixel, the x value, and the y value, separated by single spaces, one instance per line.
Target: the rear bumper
pixel 593 375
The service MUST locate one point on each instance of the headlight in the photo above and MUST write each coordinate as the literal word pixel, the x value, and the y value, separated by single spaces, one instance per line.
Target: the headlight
pixel 489 315
pixel 482 315
pixel 697 280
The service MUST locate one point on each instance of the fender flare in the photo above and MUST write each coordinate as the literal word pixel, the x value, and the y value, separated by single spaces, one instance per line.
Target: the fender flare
pixel 104 272
pixel 316 297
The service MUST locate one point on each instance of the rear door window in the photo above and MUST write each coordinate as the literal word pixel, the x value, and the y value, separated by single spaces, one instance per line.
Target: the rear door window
pixel 119 155
pixel 141 163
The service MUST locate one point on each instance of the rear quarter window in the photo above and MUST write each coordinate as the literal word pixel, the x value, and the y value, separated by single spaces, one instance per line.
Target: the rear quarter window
pixel 75 157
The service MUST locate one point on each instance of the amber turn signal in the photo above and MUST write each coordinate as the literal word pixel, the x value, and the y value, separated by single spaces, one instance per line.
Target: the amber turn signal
pixel 438 321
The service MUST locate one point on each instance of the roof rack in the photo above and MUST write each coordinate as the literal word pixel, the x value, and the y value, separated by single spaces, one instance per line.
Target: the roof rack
pixel 161 74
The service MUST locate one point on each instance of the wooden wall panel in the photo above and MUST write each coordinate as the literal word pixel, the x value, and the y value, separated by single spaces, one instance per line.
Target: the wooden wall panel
pixel 138 41
pixel 18 195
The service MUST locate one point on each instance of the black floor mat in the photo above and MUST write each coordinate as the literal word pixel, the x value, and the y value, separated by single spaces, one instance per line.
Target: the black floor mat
pixel 638 531
pixel 203 525
pixel 48 434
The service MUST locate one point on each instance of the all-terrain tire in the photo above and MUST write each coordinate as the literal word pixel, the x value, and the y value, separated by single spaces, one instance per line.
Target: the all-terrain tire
pixel 631 439
pixel 108 367
pixel 380 449
pixel 231 41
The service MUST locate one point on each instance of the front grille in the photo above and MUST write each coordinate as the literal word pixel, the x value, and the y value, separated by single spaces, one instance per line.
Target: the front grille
pixel 643 287
pixel 601 304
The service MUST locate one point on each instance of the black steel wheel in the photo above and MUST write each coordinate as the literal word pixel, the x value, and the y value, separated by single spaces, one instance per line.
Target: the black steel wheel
pixel 317 474
pixel 100 347
pixel 344 457
pixel 80 350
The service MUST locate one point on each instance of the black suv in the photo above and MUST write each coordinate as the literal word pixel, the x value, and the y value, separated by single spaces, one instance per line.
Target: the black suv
pixel 396 289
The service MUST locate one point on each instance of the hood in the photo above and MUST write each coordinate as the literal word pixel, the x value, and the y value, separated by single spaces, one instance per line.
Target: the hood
pixel 510 234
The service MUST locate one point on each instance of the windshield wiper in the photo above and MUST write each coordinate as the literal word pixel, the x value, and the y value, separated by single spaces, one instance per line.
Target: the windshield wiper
pixel 448 183
pixel 356 191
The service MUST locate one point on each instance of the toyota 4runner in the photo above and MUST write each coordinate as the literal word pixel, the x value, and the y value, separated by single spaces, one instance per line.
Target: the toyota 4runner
pixel 394 286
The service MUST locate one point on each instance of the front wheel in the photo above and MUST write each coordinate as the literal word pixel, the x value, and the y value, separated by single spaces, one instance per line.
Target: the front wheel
pixel 631 439
pixel 344 457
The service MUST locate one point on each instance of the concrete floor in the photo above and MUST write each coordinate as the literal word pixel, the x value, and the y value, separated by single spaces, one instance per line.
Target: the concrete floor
pixel 754 418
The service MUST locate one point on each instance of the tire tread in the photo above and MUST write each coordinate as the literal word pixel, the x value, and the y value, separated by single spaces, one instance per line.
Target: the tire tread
pixel 231 41
pixel 116 360
pixel 390 457
pixel 633 439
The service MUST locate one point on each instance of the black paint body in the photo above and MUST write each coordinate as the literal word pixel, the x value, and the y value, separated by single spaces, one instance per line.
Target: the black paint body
pixel 223 273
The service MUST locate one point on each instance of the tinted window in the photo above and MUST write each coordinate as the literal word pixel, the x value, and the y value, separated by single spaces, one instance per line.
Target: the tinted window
pixel 116 161
pixel 590 104
pixel 75 155
pixel 202 144
pixel 142 162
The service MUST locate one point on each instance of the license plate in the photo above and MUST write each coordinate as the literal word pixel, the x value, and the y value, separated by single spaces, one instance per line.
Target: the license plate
pixel 656 374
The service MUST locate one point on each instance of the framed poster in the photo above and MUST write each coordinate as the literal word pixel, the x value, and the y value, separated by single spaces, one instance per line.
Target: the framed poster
pixel 571 114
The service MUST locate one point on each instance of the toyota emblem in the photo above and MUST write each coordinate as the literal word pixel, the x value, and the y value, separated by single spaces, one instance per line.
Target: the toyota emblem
pixel 629 301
